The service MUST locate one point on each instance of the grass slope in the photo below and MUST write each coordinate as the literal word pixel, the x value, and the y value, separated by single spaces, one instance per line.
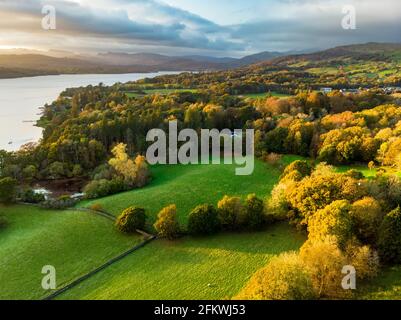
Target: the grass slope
pixel 73 242
pixel 188 186
pixel 214 267
pixel 387 286
pixel 159 91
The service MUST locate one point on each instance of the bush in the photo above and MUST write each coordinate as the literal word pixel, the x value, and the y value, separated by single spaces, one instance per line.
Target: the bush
pixel 60 203
pixel 277 205
pixel 367 216
pixel 355 174
pixel 364 260
pixel 30 196
pixel 167 225
pixel 334 220
pixel 230 212
pixel 255 217
pixel 8 188
pixel 301 167
pixel 389 243
pixel 387 189
pixel 96 207
pixel 101 188
pixel 272 158
pixel 203 220
pixel 131 219
pixel 284 278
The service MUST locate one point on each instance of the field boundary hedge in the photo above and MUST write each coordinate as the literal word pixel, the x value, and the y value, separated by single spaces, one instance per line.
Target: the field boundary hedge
pixel 97 270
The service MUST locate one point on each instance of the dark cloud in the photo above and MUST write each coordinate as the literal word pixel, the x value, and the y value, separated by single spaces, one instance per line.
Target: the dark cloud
pixel 136 24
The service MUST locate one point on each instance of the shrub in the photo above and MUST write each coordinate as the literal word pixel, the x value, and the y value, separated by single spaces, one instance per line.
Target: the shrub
pixel 364 260
pixel 387 189
pixel 284 278
pixel 230 212
pixel 324 261
pixel 355 174
pixel 300 166
pixel 389 243
pixel 254 218
pixel 96 207
pixel 167 225
pixel 131 219
pixel 30 196
pixel 56 170
pixel 29 172
pixel 60 203
pixel 277 205
pixel 367 216
pixel 334 220
pixel 203 220
pixel 101 188
pixel 104 171
pixel 8 187
pixel 273 158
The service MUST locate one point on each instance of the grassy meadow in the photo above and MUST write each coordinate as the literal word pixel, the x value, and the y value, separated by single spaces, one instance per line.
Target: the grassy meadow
pixel 159 91
pixel 387 286
pixel 212 267
pixel 71 241
pixel 265 94
pixel 189 186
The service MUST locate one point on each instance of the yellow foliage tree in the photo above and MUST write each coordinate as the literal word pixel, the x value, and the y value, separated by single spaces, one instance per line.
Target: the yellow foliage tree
pixel 167 224
pixel 284 278
pixel 135 172
pixel 324 262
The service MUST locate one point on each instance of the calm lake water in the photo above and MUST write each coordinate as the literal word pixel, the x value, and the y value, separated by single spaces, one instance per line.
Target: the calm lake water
pixel 20 100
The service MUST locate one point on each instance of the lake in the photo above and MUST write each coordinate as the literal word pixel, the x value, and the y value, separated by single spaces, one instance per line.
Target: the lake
pixel 20 100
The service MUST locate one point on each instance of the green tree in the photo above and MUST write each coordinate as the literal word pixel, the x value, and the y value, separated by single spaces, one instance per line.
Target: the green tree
pixel 230 211
pixel 389 237
pixel 255 217
pixel 131 219
pixel 334 220
pixel 203 220
pixel 8 189
pixel 367 215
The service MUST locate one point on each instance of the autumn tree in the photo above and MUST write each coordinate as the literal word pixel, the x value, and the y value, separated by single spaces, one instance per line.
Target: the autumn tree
pixel 167 225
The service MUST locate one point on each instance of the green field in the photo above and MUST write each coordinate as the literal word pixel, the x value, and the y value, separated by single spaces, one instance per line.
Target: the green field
pixel 265 94
pixel 387 286
pixel 159 91
pixel 214 267
pixel 189 186
pixel 73 242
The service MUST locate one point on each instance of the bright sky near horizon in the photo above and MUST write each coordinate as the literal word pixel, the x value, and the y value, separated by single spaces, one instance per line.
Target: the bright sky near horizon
pixel 214 27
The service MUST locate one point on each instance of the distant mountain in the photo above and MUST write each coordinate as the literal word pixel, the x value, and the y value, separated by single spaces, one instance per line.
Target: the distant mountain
pixel 188 63
pixel 223 60
pixel 21 62
pixel 386 52
pixel 27 65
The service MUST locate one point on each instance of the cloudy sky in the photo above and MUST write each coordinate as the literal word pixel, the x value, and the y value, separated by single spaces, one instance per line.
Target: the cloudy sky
pixel 207 27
